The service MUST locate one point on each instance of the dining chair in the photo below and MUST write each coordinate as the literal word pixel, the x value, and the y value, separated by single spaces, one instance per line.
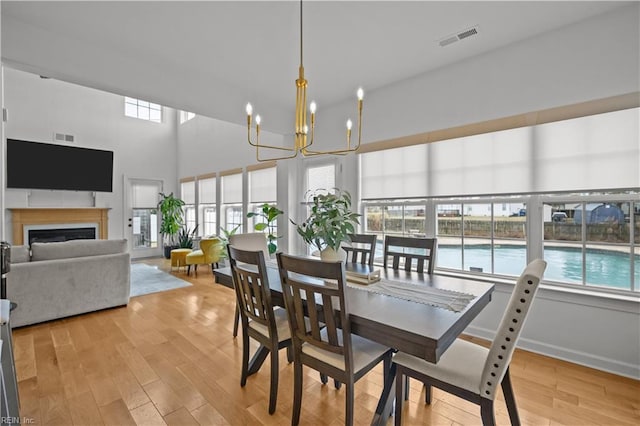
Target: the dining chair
pixel 314 295
pixel 210 252
pixel 366 248
pixel 251 241
pixel 424 252
pixel 471 371
pixel 260 321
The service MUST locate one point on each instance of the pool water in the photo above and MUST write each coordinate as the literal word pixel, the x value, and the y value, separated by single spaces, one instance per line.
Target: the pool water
pixel 603 267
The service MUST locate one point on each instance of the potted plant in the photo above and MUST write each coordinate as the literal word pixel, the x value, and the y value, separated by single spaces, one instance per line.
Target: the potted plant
pixel 186 236
pixel 172 220
pixel 329 223
pixel 269 214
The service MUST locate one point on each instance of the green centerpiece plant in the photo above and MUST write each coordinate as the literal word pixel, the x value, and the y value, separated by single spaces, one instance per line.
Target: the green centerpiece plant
pixel 329 223
pixel 172 221
pixel 269 215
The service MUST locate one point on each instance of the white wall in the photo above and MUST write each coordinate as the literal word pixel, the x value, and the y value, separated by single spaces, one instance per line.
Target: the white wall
pixel 142 149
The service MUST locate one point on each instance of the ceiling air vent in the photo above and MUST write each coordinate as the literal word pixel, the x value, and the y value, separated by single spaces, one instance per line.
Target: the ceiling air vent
pixel 61 137
pixel 450 39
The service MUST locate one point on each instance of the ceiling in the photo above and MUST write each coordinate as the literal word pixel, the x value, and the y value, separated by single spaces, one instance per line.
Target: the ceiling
pixel 211 57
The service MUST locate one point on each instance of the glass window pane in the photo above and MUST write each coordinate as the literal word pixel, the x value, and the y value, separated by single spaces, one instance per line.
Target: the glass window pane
pixel 143 103
pixel 143 113
pixel 155 115
pixel 608 267
pixel 414 221
pixel 449 236
pixel 476 228
pixel 321 177
pixel 509 239
pixel 637 270
pixel 131 110
pixel 145 228
pixel 563 242
pixel 393 220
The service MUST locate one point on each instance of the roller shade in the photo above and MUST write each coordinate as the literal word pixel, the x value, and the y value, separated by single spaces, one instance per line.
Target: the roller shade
pixel 262 185
pixel 232 189
pixel 188 192
pixel 207 191
pixel 594 152
pixel 144 195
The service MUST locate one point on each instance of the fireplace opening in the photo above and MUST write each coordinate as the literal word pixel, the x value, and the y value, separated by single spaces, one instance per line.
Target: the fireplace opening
pixel 61 234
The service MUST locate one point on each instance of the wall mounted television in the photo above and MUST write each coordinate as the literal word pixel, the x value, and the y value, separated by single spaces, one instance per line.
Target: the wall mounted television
pixel 36 165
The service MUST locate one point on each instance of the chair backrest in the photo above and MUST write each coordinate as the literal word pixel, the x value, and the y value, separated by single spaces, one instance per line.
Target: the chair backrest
pixel 424 252
pixel 315 289
pixel 252 241
pixel 510 327
pixel 365 247
pixel 211 249
pixel 251 283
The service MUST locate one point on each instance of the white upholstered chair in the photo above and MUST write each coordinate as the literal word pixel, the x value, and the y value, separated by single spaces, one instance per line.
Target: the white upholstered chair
pixel 252 241
pixel 473 372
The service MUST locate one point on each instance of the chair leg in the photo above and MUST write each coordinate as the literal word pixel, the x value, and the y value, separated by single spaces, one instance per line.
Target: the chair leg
pixel 349 409
pixel 290 353
pixel 236 321
pixel 509 399
pixel 400 398
pixel 427 393
pixel 188 269
pixel 323 378
pixel 273 391
pixel 245 359
pixel 486 412
pixel 337 384
pixel 297 393
pixel 195 269
pixel 406 389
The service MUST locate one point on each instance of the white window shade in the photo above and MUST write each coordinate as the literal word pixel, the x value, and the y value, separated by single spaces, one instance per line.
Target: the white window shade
pixel 207 191
pixel 595 152
pixel 144 195
pixel 188 192
pixel 232 189
pixel 262 185
pixel 491 163
pixel 394 173
pixel 321 178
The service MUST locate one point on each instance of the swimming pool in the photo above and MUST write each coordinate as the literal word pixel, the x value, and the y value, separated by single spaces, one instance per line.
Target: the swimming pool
pixel 603 267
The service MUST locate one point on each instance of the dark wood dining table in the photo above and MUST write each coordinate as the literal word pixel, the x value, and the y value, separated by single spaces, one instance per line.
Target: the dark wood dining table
pixel 418 329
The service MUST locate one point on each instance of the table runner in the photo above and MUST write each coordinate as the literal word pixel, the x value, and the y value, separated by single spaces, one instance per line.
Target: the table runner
pixel 447 299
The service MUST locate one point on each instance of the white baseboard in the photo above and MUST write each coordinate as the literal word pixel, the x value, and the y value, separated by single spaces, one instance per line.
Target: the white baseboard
pixel 577 357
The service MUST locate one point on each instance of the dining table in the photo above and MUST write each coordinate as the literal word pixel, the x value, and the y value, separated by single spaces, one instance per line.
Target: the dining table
pixel 412 325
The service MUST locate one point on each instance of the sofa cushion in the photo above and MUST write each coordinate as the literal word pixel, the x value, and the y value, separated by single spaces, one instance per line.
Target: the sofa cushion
pixel 20 254
pixel 76 248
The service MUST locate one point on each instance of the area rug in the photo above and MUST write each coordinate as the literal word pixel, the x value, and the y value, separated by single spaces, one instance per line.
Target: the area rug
pixel 146 279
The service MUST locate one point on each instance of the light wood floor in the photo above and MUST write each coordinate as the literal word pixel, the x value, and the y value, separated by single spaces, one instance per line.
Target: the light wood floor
pixel 170 358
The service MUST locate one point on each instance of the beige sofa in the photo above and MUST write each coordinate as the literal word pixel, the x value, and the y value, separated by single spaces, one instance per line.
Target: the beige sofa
pixel 57 280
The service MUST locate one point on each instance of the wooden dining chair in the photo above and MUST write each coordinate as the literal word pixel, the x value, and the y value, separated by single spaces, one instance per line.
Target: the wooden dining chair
pixel 318 315
pixel 260 321
pixel 471 371
pixel 423 250
pixel 251 241
pixel 365 251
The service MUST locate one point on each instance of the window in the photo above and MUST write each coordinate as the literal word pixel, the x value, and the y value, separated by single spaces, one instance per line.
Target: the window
pixel 482 237
pixel 188 195
pixel 320 177
pixel 144 202
pixel 262 189
pixel 143 110
pixel 207 206
pixel 232 202
pixel 587 241
pixel 488 199
pixel 186 116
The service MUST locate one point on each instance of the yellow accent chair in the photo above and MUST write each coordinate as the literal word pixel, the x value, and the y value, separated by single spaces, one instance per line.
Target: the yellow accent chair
pixel 210 253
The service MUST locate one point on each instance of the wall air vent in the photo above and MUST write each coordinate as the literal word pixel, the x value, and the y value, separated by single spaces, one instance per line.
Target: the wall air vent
pixel 61 137
pixel 450 39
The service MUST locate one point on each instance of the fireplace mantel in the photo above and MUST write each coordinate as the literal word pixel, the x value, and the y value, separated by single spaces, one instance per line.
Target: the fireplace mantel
pixel 48 216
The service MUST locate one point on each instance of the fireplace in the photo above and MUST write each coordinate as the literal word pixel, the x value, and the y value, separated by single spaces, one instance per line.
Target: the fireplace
pixel 53 233
pixel 29 219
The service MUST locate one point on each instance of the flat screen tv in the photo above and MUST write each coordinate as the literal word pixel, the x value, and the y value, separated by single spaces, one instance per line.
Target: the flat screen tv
pixel 35 165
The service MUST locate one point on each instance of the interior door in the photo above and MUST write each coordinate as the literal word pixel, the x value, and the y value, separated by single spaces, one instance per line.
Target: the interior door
pixel 142 217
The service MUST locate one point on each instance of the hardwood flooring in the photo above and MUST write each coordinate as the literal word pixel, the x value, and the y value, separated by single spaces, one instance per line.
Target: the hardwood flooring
pixel 170 359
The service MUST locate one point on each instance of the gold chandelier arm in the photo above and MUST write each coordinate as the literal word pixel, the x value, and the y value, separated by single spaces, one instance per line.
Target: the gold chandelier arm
pixel 287 157
pixel 310 153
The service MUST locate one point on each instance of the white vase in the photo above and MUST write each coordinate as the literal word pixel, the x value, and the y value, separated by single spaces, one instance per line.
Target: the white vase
pixel 331 255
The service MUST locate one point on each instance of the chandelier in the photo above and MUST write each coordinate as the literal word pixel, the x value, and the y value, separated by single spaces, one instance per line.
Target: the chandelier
pixel 303 138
